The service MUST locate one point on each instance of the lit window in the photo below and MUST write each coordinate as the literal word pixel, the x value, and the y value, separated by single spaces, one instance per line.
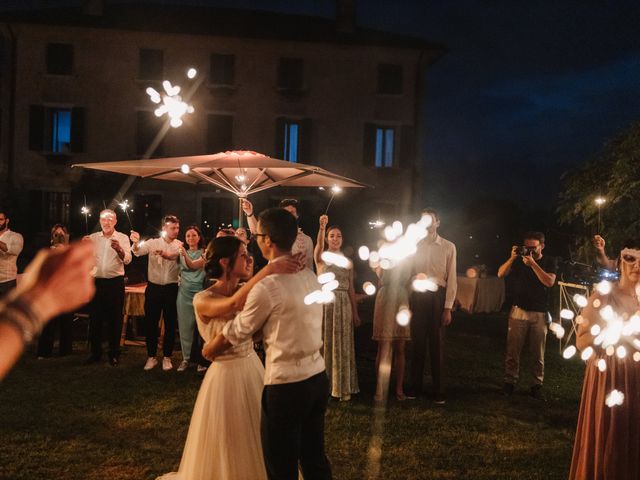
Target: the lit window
pixel 60 130
pixel 384 147
pixel 291 131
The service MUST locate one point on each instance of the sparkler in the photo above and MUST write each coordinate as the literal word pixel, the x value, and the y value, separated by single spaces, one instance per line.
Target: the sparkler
pixel 171 103
pixel 86 212
pixel 400 243
pixel 376 224
pixel 325 294
pixel 614 338
pixel 334 190
pixel 336 259
pixel 368 288
pixel 599 201
pixel 124 205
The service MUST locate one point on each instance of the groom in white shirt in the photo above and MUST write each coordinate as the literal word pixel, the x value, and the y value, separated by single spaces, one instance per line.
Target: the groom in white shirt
pixel 296 388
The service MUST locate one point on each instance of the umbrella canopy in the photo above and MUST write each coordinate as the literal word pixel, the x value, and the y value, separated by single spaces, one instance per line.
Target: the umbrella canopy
pixel 239 172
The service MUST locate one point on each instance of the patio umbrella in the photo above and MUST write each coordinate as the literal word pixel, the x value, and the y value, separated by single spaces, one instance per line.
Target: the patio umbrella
pixel 242 173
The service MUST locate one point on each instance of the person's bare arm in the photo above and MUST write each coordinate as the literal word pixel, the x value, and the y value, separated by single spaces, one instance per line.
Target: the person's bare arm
pixel 215 347
pixel 505 268
pixel 247 208
pixel 547 279
pixel 196 264
pixel 57 280
pixel 213 307
pixel 601 256
pixel 317 252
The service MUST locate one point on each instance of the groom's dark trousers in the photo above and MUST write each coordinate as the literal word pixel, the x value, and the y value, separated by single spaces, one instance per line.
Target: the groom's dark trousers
pixel 292 428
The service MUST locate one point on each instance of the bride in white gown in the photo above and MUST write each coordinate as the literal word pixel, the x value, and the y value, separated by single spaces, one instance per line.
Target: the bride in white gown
pixel 223 442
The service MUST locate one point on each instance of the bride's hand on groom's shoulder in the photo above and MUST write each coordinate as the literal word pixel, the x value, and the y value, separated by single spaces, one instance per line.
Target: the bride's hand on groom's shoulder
pixel 292 264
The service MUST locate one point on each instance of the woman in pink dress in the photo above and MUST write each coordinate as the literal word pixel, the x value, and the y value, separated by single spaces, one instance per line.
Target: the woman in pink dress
pixel 607 444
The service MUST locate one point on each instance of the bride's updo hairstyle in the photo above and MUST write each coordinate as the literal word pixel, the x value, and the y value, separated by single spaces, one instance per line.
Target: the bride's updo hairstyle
pixel 219 248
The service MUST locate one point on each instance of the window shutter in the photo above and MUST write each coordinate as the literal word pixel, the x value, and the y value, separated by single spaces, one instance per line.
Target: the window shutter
pixel 407 146
pixel 304 141
pixel 36 128
pixel 77 130
pixel 369 145
pixel 279 146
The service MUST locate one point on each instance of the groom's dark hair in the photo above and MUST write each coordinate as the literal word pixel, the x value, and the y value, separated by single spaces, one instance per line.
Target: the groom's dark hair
pixel 281 226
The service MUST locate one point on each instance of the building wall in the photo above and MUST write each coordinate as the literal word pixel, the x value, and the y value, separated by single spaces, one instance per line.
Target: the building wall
pixel 340 97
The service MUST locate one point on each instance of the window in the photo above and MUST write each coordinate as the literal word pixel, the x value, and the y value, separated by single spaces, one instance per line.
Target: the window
pixel 219 133
pixel 389 79
pixel 291 73
pixel 293 140
pixel 151 65
pixel 60 130
pixel 384 147
pixel 148 126
pixel 50 208
pixel 56 130
pixel 290 141
pixel 380 149
pixel 59 58
pixel 222 69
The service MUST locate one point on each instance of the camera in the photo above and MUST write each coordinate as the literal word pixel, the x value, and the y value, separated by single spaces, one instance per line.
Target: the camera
pixel 524 250
pixel 59 238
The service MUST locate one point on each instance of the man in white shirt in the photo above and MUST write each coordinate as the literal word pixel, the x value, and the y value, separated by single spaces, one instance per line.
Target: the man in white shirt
pixel 162 288
pixel 296 389
pixel 435 258
pixel 112 252
pixel 303 242
pixel 10 247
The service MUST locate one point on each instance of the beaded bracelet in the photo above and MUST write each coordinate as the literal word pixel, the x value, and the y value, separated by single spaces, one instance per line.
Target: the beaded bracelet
pixel 20 315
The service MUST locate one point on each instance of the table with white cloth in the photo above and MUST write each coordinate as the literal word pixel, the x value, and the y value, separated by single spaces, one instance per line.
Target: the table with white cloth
pixel 480 295
pixel 134 307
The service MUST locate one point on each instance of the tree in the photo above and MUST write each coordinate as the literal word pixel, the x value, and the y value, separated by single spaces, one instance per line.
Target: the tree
pixel 614 174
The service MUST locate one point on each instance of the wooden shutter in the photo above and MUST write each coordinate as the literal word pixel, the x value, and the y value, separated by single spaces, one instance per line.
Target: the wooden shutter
pixel 36 127
pixel 77 130
pixel 304 141
pixel 279 141
pixel 407 146
pixel 369 146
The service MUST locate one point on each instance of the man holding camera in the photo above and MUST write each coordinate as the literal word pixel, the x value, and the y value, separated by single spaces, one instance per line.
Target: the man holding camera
pixel 532 275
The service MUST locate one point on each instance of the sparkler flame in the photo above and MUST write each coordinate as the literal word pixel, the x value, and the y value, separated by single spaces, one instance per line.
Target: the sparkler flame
pixel 368 288
pixel 336 259
pixel 171 102
pixel 615 398
pixel 403 317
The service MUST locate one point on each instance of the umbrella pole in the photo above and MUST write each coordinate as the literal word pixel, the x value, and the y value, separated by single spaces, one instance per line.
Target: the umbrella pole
pixel 239 212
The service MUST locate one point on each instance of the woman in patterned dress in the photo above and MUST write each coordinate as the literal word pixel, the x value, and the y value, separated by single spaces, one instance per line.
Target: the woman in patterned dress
pixel 340 317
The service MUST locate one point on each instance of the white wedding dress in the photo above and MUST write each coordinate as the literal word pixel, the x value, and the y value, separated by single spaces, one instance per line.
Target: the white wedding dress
pixel 223 442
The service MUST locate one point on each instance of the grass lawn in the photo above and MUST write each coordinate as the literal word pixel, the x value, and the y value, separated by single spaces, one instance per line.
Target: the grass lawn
pixel 62 420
